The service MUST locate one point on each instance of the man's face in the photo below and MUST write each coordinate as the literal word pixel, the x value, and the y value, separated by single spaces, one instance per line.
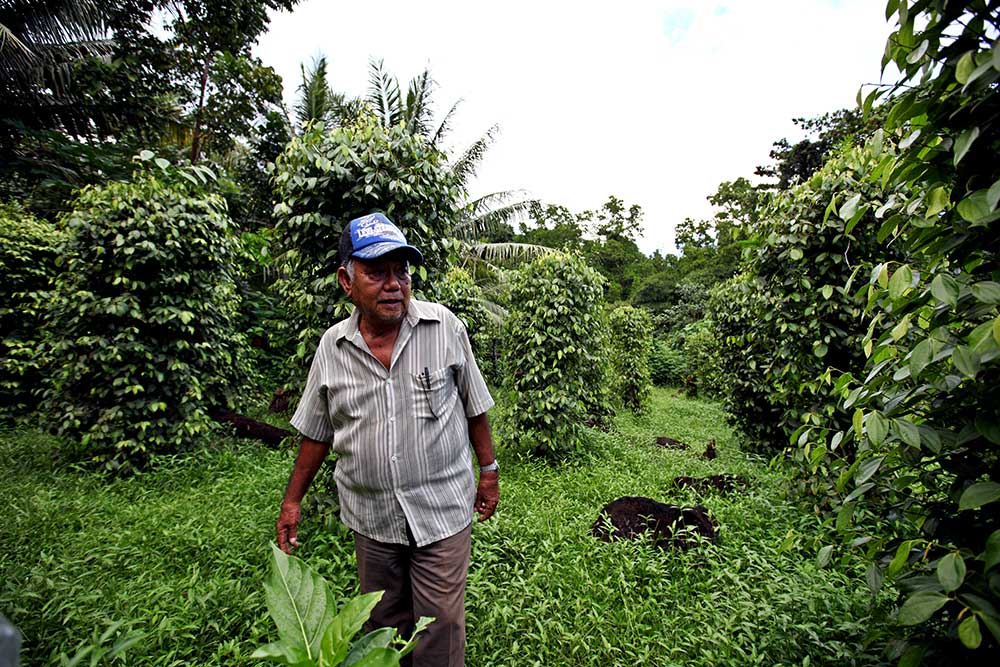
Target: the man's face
pixel 381 287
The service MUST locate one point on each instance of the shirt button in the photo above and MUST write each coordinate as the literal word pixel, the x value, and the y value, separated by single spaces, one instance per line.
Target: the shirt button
pixel 392 419
pixel 394 459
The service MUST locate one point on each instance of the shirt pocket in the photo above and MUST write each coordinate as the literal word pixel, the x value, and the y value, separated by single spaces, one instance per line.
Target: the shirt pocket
pixel 431 391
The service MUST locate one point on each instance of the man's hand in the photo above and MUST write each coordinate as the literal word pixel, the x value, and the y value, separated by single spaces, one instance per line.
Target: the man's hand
pixel 487 494
pixel 288 526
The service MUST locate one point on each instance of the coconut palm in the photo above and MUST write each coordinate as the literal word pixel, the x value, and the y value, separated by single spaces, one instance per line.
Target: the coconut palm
pixel 317 100
pixel 39 42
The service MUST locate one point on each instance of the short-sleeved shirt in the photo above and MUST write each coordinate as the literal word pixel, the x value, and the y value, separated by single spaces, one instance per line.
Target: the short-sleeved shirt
pixel 401 434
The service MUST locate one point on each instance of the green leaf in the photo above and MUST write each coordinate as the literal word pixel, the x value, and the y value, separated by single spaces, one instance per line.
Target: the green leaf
pixel 146 155
pixel 987 292
pixel 988 428
pixel 945 289
pixel 299 602
pixel 979 494
pixel 969 633
pixel 920 357
pixel 377 639
pixel 908 432
pixel 996 329
pixel 877 427
pixel 975 208
pixel 901 280
pixel 827 291
pixel 991 554
pixel 868 468
pixel 858 422
pixel 951 571
pixel 795 254
pixel 347 623
pixel 921 606
pixel 963 143
pixel 874 578
pixel 966 64
pixel 937 201
pixel 850 207
pixel 823 557
pixel 965 360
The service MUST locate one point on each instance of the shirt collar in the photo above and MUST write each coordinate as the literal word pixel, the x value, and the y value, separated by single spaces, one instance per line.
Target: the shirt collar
pixel 418 310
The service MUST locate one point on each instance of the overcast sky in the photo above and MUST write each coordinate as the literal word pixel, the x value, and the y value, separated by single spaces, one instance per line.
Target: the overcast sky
pixel 655 101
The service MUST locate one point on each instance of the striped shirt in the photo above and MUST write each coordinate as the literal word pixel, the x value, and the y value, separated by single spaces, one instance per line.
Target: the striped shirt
pixel 401 434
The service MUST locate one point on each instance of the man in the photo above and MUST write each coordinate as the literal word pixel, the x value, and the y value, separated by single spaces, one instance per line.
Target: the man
pixel 397 392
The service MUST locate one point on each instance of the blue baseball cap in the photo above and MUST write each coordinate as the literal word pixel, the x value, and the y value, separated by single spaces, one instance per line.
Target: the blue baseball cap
pixel 372 236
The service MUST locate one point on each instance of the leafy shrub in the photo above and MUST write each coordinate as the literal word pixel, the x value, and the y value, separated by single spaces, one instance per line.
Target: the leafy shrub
pixel 793 313
pixel 554 354
pixel 29 248
pixel 311 632
pixel 923 493
pixel 666 364
pixel 458 292
pixel 142 318
pixel 327 177
pixel 629 330
pixel 699 347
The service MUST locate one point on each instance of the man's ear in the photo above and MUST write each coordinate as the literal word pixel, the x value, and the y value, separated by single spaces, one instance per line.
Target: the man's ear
pixel 344 279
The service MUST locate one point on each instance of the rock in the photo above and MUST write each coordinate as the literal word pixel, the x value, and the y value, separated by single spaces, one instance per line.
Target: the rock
pixel 668 525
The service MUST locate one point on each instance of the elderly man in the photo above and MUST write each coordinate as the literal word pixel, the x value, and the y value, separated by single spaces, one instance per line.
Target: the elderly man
pixel 397 394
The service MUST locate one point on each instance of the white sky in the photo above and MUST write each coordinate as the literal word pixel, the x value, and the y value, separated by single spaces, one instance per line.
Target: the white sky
pixel 653 101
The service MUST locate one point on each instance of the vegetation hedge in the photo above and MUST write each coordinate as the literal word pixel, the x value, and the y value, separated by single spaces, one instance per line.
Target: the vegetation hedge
pixel 629 330
pixel 329 176
pixel 554 354
pixel 29 252
pixel 142 319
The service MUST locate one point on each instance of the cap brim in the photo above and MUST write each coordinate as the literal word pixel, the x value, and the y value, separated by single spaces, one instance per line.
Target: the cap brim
pixel 376 250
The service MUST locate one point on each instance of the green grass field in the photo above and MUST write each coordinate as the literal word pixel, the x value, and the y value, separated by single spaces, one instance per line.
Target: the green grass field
pixel 178 554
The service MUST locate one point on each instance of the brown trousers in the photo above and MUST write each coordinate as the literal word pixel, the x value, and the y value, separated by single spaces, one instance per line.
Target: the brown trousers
pixel 419 581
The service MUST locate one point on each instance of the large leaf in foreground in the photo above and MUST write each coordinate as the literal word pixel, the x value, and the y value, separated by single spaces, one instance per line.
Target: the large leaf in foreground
pixel 301 605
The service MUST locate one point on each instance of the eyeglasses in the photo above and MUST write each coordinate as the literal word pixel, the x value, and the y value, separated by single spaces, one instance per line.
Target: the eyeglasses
pixel 381 274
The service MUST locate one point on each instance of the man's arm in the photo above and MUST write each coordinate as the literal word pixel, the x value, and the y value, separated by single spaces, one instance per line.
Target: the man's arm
pixel 488 492
pixel 310 458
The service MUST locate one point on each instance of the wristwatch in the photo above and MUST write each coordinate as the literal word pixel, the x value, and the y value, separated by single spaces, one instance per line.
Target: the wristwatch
pixel 491 467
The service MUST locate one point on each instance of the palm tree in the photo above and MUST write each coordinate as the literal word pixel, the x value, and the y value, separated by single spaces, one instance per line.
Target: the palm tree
pixel 318 102
pixel 39 42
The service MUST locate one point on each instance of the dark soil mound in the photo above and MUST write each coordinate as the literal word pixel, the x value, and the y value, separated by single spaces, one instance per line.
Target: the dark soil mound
pixel 710 452
pixel 667 442
pixel 722 483
pixel 668 525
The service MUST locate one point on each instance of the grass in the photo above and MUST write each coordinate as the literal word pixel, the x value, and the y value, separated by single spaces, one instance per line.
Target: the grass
pixel 179 554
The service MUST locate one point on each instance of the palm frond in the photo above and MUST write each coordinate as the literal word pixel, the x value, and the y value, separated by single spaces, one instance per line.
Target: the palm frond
pixel 383 94
pixel 315 102
pixel 489 213
pixel 465 167
pixel 445 126
pixel 508 254
pixel 417 112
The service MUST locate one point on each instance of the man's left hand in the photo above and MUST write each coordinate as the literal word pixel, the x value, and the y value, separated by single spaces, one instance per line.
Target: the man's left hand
pixel 487 494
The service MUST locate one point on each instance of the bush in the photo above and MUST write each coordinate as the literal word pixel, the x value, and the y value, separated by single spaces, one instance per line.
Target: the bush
pixel 142 318
pixel 459 293
pixel 793 313
pixel 699 347
pixel 629 330
pixel 29 251
pixel 327 177
pixel 666 364
pixel 554 356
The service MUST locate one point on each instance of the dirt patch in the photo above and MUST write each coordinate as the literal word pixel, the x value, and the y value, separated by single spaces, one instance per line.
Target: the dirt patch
pixel 710 452
pixel 668 525
pixel 721 483
pixel 667 442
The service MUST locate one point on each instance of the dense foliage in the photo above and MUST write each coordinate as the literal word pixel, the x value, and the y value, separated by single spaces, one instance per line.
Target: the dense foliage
pixel 29 248
pixel 666 364
pixel 923 494
pixel 630 330
pixel 554 357
pixel 141 320
pixel 327 177
pixel 793 312
pixel 459 293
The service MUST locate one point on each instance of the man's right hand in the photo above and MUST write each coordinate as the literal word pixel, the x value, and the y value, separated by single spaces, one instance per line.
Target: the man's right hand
pixel 288 526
